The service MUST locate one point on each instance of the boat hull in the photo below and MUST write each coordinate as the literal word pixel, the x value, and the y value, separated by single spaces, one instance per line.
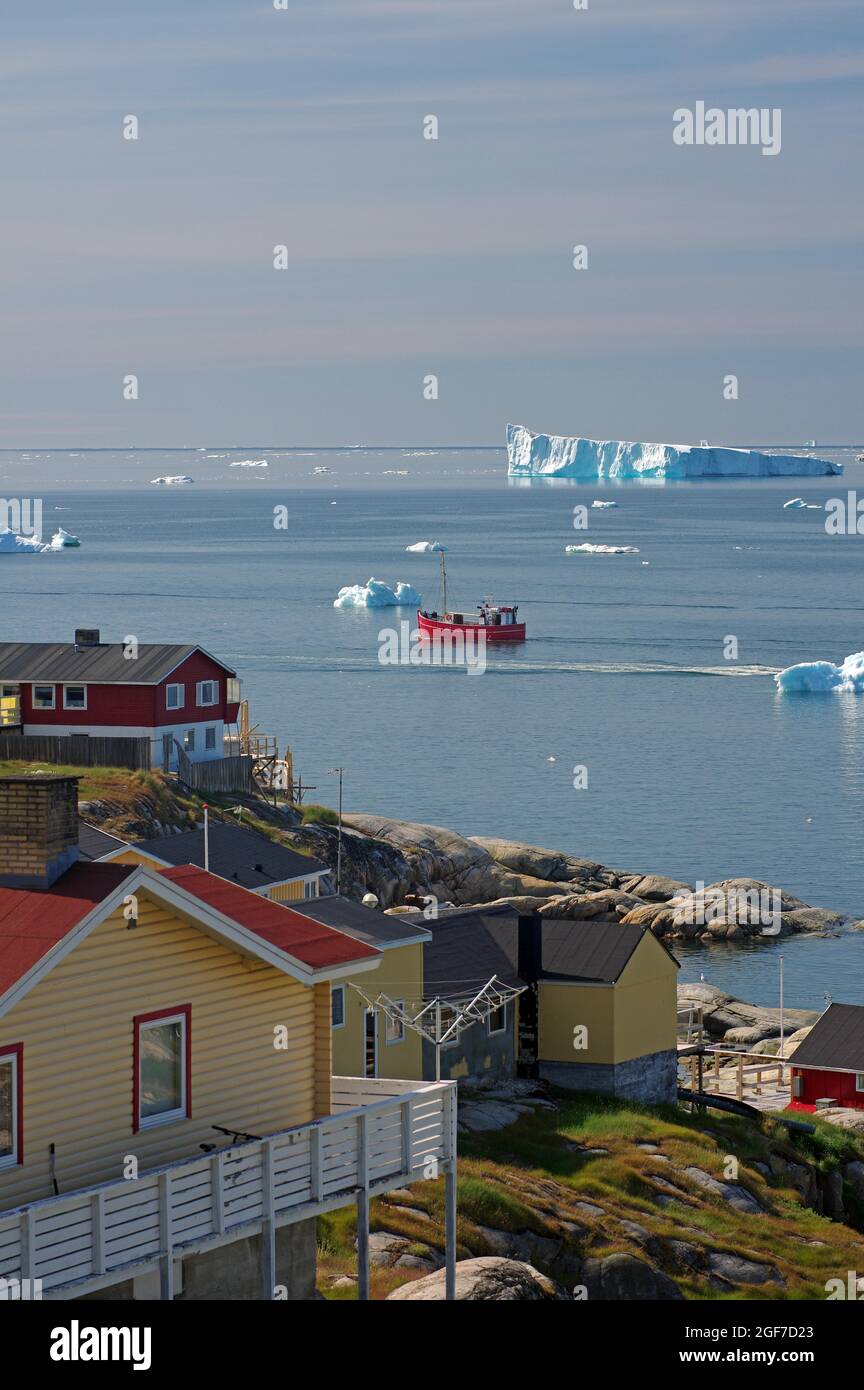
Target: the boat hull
pixel 491 632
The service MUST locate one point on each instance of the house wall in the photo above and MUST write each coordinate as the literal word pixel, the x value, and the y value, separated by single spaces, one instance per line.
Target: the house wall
pixel 77 1034
pixel 400 976
pixel 477 1054
pixel 564 1007
pixel 820 1085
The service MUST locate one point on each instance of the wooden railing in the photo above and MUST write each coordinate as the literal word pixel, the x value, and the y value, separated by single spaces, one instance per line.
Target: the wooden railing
pixel 215 774
pixel 380 1136
pixel 77 750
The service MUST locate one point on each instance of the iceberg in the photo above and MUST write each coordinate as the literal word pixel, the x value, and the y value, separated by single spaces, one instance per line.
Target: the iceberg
pixel 375 594
pixel 821 677
pixel 595 503
pixel 62 540
pixel 11 543
pixel 589 549
pixel 556 456
pixel 425 548
pixel 250 463
pixel 176 481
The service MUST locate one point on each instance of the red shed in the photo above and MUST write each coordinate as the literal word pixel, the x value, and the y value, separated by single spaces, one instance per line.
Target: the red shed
pixel 829 1063
pixel 163 692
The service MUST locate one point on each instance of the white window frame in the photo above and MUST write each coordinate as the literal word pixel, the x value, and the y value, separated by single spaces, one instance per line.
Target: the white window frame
pixel 47 686
pixel 859 1081
pixel 310 888
pixel 388 1024
pixel 188 740
pixel 175 685
pixel 210 737
pixel 199 694
pixel 496 1032
pixel 232 690
pixel 168 1117
pixel 12 1160
pixel 74 685
pixel 334 990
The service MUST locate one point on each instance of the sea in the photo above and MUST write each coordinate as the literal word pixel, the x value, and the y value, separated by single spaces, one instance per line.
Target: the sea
pixel 639 724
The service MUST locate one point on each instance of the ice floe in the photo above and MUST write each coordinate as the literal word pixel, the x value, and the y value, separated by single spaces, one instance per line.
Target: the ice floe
pixel 597 503
pixel 559 456
pixel 589 549
pixel 819 677
pixel 250 463
pixel 376 594
pixel 177 480
pixel 64 540
pixel 425 547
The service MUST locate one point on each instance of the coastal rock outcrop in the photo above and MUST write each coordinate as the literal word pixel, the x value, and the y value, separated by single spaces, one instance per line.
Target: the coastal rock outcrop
pixel 487 1278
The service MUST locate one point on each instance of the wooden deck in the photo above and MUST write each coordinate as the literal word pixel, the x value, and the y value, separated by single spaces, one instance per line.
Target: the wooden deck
pixel 381 1135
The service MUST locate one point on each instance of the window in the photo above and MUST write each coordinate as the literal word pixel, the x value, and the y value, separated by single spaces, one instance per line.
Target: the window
pixel 232 690
pixel 207 693
pixel 337 1006
pixel 448 1017
pixel 175 696
pixel 497 1020
pixel 43 697
pixel 189 740
pixel 859 1081
pixel 209 738
pixel 74 697
pixel 310 890
pixel 394 1028
pixel 11 1153
pixel 162 1066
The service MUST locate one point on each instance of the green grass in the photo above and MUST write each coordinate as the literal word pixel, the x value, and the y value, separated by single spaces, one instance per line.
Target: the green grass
pixel 320 815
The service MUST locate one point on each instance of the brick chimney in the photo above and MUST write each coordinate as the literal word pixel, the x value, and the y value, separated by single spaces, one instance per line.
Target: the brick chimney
pixel 38 829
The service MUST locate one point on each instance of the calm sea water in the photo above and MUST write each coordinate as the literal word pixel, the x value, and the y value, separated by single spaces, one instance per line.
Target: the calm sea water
pixel 695 766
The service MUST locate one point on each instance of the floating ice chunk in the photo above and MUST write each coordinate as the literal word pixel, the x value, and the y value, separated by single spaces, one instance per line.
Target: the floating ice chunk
pixel 425 547
pixel 250 463
pixel 595 503
pixel 794 502
pixel 375 594
pixel 558 456
pixel 589 549
pixel 176 481
pixel 819 677
pixel 63 540
pixel 11 543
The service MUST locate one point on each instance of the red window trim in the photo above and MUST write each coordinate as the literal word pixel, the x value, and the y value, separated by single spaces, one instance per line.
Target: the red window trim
pixel 186 1010
pixel 16 1050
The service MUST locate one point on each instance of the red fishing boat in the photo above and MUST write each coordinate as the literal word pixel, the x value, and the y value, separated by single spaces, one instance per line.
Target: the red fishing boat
pixel 497 622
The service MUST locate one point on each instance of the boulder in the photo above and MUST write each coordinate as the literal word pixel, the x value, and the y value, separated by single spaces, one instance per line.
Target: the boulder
pixel 736 1270
pixel 536 862
pixel 654 888
pixel 733 1193
pixel 487 1278
pixel 627 1279
pixel 609 903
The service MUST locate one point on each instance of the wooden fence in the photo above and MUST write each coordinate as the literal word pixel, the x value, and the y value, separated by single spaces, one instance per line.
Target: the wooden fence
pixel 79 750
pixel 215 774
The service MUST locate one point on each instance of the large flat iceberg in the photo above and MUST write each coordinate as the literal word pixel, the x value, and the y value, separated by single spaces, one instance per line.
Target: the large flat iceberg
pixel 376 594
pixel 820 677
pixel 557 456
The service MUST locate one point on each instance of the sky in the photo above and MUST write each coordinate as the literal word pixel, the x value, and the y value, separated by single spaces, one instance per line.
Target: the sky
pixel 409 258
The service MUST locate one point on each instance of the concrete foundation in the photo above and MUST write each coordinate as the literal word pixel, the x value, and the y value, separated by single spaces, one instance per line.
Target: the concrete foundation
pixel 650 1080
pixel 232 1273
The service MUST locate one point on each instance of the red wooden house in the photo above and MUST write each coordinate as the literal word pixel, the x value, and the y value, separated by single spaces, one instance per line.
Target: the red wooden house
pixel 164 692
pixel 829 1064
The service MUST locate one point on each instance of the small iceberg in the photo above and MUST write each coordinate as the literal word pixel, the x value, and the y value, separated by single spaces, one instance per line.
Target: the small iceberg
pixel 794 502
pixel 425 547
pixel 376 594
pixel 589 549
pixel 823 677
pixel 250 463
pixel 176 481
pixel 11 543
pixel 63 540
pixel 559 456
pixel 595 503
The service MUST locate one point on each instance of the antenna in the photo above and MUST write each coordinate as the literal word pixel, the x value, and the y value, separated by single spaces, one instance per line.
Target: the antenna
pixel 443 585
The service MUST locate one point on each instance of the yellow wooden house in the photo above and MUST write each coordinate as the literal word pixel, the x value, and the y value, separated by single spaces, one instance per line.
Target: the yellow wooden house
pixel 169 1122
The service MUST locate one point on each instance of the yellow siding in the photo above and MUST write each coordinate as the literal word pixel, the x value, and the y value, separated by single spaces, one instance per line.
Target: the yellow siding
pixel 634 1017
pixel 564 1008
pixel 286 892
pixel 135 856
pixel 76 1027
pixel 645 1002
pixel 400 976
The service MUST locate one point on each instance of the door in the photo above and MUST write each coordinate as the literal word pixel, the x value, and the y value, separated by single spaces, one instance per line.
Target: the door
pixel 167 750
pixel 370 1044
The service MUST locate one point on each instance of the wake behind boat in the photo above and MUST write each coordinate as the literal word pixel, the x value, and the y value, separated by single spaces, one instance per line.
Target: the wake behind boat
pixel 491 622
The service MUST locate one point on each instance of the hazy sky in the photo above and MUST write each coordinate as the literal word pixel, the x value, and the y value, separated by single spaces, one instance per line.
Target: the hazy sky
pixel 409 257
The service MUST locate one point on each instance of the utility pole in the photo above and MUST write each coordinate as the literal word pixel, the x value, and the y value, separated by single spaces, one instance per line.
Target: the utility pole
pixel 340 771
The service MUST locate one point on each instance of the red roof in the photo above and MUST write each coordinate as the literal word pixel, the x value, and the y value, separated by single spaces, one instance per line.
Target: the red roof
pixel 302 938
pixel 34 920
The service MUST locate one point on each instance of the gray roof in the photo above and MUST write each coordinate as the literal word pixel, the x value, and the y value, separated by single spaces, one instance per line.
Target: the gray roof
pixel 236 853
pixel 467 948
pixel 93 842
pixel 63 661
pixel 836 1040
pixel 365 924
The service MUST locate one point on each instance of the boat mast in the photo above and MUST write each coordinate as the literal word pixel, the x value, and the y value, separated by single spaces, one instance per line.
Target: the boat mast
pixel 443 585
